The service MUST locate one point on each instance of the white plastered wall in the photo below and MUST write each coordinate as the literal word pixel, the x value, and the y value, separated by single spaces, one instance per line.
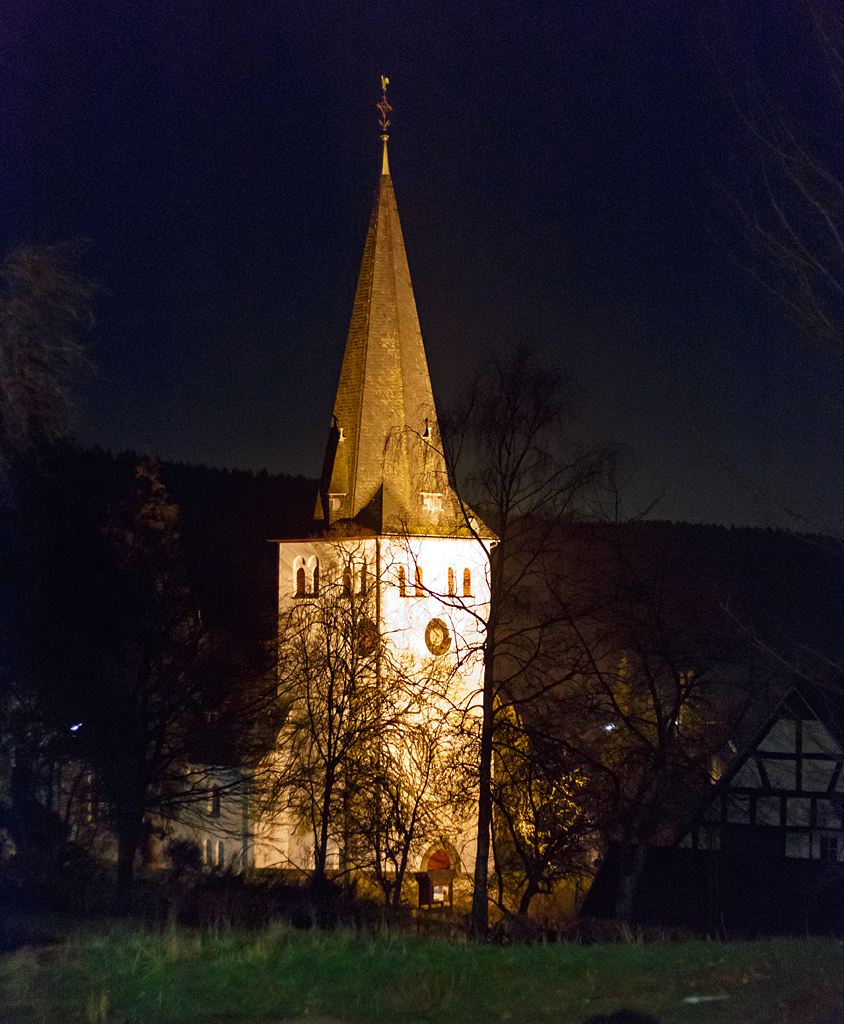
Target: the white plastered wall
pixel 402 622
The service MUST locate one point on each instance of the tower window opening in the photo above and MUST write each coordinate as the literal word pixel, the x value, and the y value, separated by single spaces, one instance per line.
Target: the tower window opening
pixel 306 577
pixel 347 583
pixel 402 582
pixel 420 590
pixel 450 582
pixel 362 584
pixel 214 801
pixel 467 582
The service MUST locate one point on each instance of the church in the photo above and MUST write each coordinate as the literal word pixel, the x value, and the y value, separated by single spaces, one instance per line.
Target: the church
pixel 381 613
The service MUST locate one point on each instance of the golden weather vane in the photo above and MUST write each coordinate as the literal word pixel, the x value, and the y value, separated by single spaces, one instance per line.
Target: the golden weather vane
pixel 384 106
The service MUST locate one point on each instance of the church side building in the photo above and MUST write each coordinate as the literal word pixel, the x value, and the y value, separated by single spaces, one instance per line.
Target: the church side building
pixel 396 573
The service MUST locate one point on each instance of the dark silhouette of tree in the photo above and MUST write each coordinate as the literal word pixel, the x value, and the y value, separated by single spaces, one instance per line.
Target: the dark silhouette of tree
pixel 329 681
pixel 513 457
pixel 103 637
pixel 364 765
pixel 793 216
pixel 790 215
pixel 542 833
pixel 45 312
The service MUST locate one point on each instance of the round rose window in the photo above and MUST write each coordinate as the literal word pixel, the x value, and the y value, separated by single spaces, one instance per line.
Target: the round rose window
pixel 437 636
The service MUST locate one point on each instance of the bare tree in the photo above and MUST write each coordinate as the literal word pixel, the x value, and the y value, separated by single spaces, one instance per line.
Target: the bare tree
pixel 360 767
pixel 105 640
pixel 542 833
pixel 511 451
pixel 327 656
pixel 45 312
pixel 415 794
pixel 793 215
pixel 665 674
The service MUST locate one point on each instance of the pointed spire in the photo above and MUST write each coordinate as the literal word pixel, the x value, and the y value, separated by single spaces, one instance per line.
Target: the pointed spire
pixel 383 466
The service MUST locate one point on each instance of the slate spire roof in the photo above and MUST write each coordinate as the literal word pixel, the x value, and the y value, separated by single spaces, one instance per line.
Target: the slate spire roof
pixel 383 468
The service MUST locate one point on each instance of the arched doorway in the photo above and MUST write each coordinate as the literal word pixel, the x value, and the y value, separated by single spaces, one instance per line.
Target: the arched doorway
pixel 436 879
pixel 438 861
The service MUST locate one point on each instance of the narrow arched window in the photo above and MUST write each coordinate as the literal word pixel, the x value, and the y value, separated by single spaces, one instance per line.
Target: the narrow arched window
pixel 313 564
pixel 347 583
pixel 300 581
pixel 221 855
pixel 419 588
pixel 209 853
pixel 214 801
pixel 362 580
pixel 450 582
pixel 467 582
pixel 402 582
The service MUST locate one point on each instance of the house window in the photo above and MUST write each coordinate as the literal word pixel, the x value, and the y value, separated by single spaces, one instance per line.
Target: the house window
pixel 467 582
pixel 362 580
pixel 335 502
pixel 313 566
pixel 209 853
pixel 214 801
pixel 300 581
pixel 221 855
pixel 450 582
pixel 797 844
pixel 420 590
pixel 347 583
pixel 402 582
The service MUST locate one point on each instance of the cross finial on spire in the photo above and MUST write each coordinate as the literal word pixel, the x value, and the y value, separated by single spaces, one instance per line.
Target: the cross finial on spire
pixel 384 106
pixel 385 109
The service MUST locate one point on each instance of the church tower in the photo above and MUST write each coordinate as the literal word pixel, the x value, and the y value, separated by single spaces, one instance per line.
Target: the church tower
pixel 390 535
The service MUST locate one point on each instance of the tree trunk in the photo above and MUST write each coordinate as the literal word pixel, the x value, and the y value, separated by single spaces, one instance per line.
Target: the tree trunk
pixel 531 890
pixel 631 862
pixel 479 918
pixel 129 832
pixel 127 847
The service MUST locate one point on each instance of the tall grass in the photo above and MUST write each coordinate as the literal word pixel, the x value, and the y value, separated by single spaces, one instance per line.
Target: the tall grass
pixel 181 977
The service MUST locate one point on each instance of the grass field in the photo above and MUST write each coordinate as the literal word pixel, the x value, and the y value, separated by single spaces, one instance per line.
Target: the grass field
pixel 136 977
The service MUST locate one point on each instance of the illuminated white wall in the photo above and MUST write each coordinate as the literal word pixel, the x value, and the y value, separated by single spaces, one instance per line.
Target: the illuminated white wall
pixel 404 617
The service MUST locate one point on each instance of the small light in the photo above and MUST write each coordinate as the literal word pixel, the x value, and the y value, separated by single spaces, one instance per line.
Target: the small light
pixel 609 728
pixel 73 728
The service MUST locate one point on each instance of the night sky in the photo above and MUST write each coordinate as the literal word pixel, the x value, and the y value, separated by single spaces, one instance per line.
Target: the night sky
pixel 557 168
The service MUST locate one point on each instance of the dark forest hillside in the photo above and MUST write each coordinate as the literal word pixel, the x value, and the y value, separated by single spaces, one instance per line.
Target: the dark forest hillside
pixel 785 590
pixel 226 520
